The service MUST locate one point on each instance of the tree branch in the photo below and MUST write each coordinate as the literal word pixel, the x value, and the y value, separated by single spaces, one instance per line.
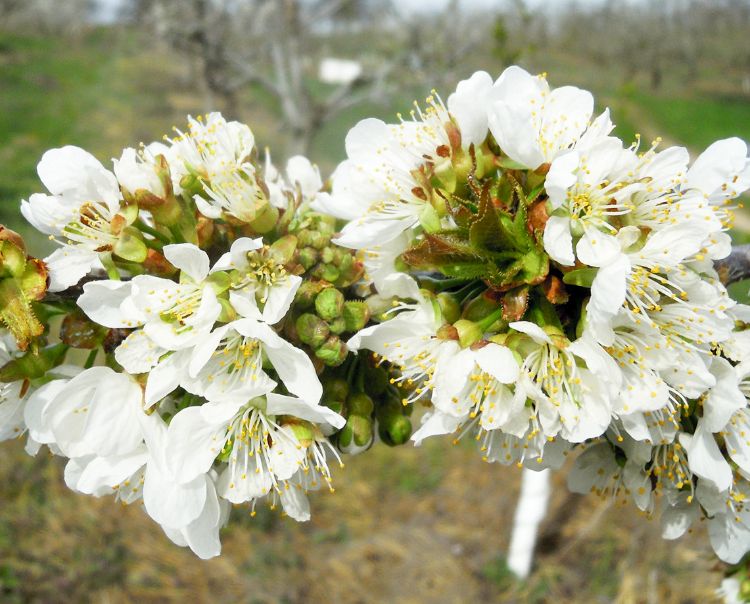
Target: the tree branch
pixel 736 266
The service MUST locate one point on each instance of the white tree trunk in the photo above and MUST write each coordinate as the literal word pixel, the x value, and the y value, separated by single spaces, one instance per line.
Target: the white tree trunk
pixel 530 511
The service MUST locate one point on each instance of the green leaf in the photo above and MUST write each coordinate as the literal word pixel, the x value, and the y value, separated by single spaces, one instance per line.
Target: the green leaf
pixel 486 231
pixel 582 277
pixel 34 364
pixel 510 164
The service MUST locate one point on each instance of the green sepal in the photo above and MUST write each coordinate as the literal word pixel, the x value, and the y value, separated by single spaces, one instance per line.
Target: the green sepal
pixel 34 364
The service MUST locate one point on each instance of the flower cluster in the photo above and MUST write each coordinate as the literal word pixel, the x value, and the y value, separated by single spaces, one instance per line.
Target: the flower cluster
pixel 211 330
pixel 212 304
pixel 565 294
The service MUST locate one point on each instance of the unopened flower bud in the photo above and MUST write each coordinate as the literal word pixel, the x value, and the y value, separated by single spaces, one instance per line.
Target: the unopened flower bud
pixel 306 293
pixel 329 303
pixel 7 234
pixel 303 431
pixel 265 219
pixel 356 435
pixel 359 404
pixel 328 272
pixel 480 307
pixel 356 315
pixel 337 406
pixel 333 352
pixel 337 325
pixel 282 250
pixel 130 246
pixel 394 429
pixel 335 389
pixel 326 255
pixel 468 332
pixel 308 257
pixel 320 240
pixel 312 330
pixel 449 307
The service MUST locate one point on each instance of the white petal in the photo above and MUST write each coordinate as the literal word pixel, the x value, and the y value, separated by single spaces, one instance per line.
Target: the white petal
pixel 106 303
pixel 558 241
pixel 705 458
pixel 189 258
pixel 597 248
pixel 193 443
pixel 278 404
pixel 499 362
pixel 468 106
pixel 295 503
pixel 280 298
pixel 531 329
pixel 68 265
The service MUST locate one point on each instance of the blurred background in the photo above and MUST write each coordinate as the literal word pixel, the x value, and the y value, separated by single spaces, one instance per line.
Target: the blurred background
pixel 405 525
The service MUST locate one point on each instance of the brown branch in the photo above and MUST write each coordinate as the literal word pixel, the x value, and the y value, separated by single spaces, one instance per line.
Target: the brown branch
pixel 736 266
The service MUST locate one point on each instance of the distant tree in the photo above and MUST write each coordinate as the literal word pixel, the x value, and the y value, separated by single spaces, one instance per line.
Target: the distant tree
pixel 274 44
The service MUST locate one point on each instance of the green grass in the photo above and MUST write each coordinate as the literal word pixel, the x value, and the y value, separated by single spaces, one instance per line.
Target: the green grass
pixel 697 121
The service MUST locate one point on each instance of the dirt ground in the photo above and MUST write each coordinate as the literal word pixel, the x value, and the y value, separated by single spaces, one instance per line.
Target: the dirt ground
pixel 404 525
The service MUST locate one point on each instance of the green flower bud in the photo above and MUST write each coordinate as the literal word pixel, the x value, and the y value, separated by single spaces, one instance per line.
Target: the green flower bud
pixel 308 257
pixel 468 332
pixel 306 293
pixel 329 303
pixel 356 433
pixel 356 315
pixel 320 240
pixel 337 325
pixel 326 255
pixel 360 404
pixel 377 380
pixel 302 430
pixel 333 352
pixel 449 307
pixel 282 250
pixel 337 406
pixel 335 389
pixel 327 272
pixel 312 330
pixel 479 307
pixel 265 219
pixel 394 429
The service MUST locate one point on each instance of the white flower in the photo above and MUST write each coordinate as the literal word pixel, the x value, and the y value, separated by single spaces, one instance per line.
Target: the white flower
pixel 211 147
pixel 586 192
pixel 302 182
pixel 410 342
pixel 468 106
pixel 383 187
pixel 598 470
pixel 190 513
pixel 83 418
pixel 173 315
pixel 729 591
pixel 262 289
pixel 375 188
pixel 266 456
pixel 79 213
pixel 475 386
pixel 533 124
pixel 235 192
pixel 572 385
pixel 138 170
pixel 641 278
pixel 381 271
pixel 227 367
